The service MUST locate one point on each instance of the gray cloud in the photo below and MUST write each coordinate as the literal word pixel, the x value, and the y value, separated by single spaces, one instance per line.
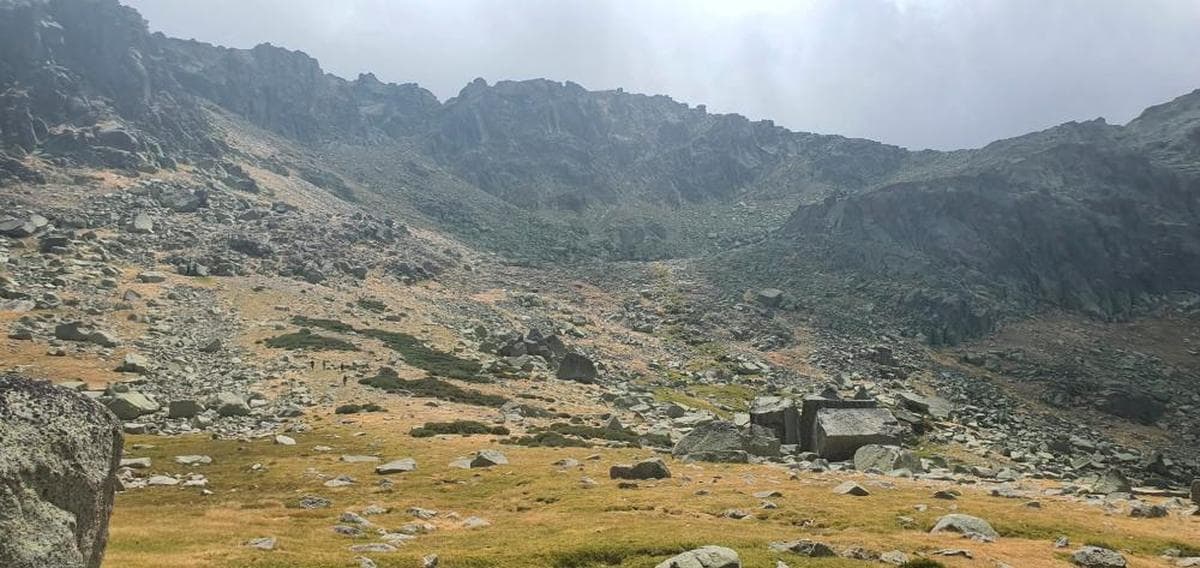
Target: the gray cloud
pixel 918 73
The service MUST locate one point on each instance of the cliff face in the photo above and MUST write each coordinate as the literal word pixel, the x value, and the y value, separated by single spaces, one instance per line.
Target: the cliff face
pixel 1085 216
pixel 1097 225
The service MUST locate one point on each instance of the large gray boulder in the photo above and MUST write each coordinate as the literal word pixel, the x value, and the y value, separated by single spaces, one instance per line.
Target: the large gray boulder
pixel 1096 557
pixel 578 368
pixel 704 557
pixel 964 524
pixel 229 404
pixel 839 432
pixel 1113 481
pixel 58 470
pixel 886 458
pixel 720 441
pixel 130 405
pixel 653 468
pixel 778 415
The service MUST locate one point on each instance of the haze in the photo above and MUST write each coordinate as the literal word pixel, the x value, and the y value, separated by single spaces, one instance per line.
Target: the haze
pixel 920 74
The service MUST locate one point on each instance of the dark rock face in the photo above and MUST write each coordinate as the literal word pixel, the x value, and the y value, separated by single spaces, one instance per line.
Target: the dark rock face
pixel 576 367
pixel 1078 217
pixel 57 475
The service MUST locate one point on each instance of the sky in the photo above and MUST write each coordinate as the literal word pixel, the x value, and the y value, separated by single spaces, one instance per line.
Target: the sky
pixel 937 74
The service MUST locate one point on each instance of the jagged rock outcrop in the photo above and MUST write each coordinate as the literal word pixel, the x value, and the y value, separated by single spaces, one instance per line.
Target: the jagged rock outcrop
pixel 57 475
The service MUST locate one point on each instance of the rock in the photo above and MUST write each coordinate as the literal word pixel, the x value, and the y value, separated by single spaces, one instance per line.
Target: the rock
pixel 162 481
pixel 1096 557
pixel 886 458
pixel 285 440
pixel 488 458
pixel 183 409
pixel 1196 491
pixel 397 466
pixel 429 561
pixel 769 297
pixel 376 547
pixel 704 557
pixel 895 557
pixel 576 367
pixel 839 432
pixel 851 488
pixel 152 277
pixel 965 524
pixel 1113 481
pixel 1147 511
pixel 229 404
pixel 475 523
pixel 778 415
pixel 653 468
pixel 58 469
pixel 314 502
pixel 130 405
pixel 134 363
pixel 936 407
pixel 141 223
pixel 803 547
pixel 193 460
pixel 720 441
pixel 264 543
pixel 136 463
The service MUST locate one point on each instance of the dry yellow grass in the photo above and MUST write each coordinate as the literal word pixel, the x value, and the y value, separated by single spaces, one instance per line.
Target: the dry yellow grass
pixel 543 517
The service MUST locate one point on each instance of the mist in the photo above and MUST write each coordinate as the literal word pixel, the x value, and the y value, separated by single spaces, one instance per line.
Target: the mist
pixel 916 73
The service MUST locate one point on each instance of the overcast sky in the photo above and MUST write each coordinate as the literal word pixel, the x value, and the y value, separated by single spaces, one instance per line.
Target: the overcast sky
pixel 917 73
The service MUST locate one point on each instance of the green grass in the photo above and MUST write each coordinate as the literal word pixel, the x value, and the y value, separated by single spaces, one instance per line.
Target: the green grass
pixel 372 304
pixel 610 554
pixel 594 433
pixel 356 408
pixel 306 340
pixel 432 388
pixel 461 427
pixel 326 324
pixel 547 439
pixel 418 355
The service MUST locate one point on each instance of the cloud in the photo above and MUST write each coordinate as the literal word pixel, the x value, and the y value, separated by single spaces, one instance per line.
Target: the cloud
pixel 918 73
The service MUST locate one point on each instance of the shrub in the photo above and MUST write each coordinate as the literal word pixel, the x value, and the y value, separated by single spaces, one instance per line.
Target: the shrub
pixel 356 408
pixel 547 439
pixel 432 388
pixel 461 427
pixel 418 355
pixel 326 324
pixel 372 304
pixel 308 341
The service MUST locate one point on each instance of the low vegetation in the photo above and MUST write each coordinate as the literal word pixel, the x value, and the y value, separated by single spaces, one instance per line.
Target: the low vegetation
pixel 460 427
pixel 306 340
pixel 357 408
pixel 547 439
pixel 431 387
pixel 624 436
pixel 372 304
pixel 418 355
pixel 326 324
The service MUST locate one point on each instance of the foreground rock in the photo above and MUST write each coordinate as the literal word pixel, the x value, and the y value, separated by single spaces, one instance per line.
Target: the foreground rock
pixel 1096 557
pixel 646 469
pixel 965 524
pixel 720 441
pixel 704 557
pixel 886 458
pixel 58 472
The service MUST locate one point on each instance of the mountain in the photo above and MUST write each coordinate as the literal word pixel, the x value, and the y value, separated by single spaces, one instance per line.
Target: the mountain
pixel 1088 217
